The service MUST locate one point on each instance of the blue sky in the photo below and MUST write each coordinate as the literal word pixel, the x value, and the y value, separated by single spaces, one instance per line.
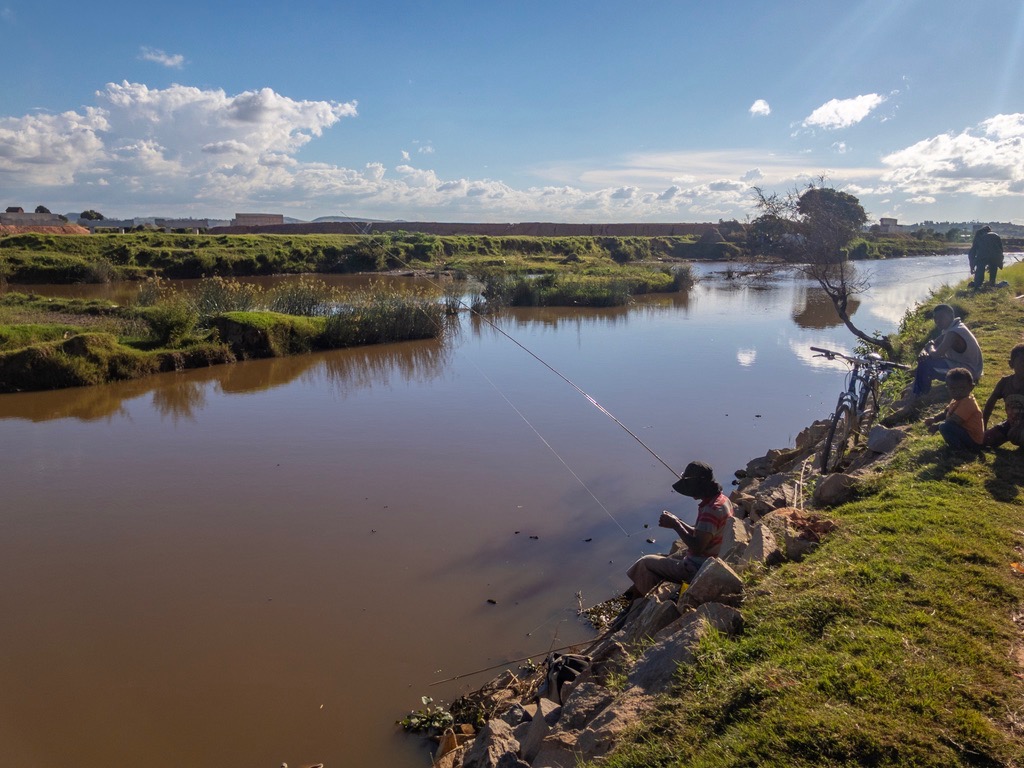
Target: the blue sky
pixel 512 111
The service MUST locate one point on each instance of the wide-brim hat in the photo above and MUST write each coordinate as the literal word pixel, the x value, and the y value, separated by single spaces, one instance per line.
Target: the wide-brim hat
pixel 695 479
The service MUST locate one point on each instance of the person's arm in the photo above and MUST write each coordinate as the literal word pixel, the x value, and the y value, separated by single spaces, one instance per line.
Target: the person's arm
pixel 990 404
pixel 692 538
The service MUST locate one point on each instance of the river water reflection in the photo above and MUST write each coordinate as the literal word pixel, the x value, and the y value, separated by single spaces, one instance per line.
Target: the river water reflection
pixel 272 561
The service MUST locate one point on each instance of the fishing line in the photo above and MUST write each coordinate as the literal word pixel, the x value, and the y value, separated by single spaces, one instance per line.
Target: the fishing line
pixel 550 448
pixel 593 401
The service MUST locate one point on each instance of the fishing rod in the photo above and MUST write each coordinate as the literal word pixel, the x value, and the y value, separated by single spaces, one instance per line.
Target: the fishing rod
pixel 505 664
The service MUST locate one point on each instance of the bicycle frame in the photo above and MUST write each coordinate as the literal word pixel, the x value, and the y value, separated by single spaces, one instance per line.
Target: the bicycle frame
pixel 856 407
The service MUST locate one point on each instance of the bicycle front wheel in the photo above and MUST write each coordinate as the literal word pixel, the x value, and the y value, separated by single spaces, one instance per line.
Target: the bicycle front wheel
pixel 838 437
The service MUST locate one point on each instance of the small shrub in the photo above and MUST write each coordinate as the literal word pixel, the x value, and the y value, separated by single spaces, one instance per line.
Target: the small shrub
pixel 171 320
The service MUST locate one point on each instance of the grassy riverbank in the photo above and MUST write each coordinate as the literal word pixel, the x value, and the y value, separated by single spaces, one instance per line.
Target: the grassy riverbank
pixel 900 642
pixel 38 258
pixel 57 343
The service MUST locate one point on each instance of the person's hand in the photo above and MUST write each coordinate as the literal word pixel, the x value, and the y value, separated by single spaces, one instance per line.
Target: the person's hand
pixel 667 520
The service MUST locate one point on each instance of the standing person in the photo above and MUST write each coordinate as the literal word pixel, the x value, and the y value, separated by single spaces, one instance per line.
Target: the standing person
pixel 703 539
pixel 1010 389
pixel 954 347
pixel 961 424
pixel 986 253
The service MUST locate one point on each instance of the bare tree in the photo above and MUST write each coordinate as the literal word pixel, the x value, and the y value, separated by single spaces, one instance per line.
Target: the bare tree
pixel 811 228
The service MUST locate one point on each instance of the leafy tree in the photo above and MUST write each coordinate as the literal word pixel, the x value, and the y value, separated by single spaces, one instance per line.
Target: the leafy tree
pixel 42 209
pixel 92 215
pixel 819 222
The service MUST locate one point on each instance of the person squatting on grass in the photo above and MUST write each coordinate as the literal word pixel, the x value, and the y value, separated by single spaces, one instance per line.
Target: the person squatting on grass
pixel 1010 389
pixel 954 347
pixel 961 424
pixel 702 540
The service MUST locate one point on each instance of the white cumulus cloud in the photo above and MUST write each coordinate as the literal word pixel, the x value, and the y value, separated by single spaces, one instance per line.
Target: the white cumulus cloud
pixel 842 113
pixel 169 60
pixel 986 160
pixel 760 107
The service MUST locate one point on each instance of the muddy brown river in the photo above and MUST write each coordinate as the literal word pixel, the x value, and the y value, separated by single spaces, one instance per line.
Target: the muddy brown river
pixel 273 561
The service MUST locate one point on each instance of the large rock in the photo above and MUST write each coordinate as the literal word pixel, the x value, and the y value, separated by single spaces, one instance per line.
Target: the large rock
pixel 834 489
pixel 809 437
pixel 558 750
pixel 763 549
pixel 884 440
pixel 494 740
pixel 715 582
pixel 735 539
pixel 656 669
pixel 599 737
pixel 547 715
pixel 652 617
pixel 799 533
pixel 585 701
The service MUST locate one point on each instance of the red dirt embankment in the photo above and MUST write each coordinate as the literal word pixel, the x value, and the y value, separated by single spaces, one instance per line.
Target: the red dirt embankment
pixel 67 229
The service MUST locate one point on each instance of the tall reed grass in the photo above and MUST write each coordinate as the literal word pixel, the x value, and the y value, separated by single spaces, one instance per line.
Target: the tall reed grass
pixel 377 318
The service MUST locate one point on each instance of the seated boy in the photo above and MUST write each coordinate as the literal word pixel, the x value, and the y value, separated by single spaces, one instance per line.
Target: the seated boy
pixel 1011 390
pixel 961 425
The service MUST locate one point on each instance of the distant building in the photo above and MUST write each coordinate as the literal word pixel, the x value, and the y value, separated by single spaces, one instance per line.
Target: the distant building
pixel 193 224
pixel 15 209
pixel 888 226
pixel 257 219
pixel 16 217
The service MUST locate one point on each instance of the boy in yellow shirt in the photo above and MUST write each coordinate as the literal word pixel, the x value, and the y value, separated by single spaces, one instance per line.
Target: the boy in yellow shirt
pixel 961 424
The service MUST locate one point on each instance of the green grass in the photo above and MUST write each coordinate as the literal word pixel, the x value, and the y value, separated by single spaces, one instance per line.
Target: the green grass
pixel 899 642
pixel 95 258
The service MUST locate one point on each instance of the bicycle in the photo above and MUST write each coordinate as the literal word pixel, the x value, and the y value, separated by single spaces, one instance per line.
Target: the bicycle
pixel 857 407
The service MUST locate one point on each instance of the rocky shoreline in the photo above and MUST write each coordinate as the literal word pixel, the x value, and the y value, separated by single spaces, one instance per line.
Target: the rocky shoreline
pixel 573 708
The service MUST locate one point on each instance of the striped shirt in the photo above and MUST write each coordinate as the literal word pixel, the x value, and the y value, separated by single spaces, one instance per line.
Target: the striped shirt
pixel 712 516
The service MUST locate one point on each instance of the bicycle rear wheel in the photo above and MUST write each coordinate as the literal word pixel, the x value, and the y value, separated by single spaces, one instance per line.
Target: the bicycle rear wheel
pixel 868 410
pixel 838 437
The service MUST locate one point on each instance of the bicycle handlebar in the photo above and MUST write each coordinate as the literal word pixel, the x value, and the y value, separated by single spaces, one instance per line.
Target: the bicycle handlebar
pixel 832 355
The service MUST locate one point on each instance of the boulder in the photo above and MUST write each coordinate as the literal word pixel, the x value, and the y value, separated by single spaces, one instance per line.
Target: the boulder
pixel 558 750
pixel 655 670
pixel 715 582
pixel 834 489
pixel 494 740
pixel 744 504
pixel 585 701
pixel 809 437
pixel 735 539
pixel 884 440
pixel 539 727
pixel 763 549
pixel 797 532
pixel 599 737
pixel 654 615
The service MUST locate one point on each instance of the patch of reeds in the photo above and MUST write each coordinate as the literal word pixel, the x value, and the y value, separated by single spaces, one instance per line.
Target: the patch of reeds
pixel 377 317
pixel 306 296
pixel 214 295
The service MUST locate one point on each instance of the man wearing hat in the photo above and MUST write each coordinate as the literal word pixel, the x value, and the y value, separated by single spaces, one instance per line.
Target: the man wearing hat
pixel 703 539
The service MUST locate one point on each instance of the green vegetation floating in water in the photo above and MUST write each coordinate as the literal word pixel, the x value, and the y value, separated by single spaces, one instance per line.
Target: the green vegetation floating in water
pixel 895 643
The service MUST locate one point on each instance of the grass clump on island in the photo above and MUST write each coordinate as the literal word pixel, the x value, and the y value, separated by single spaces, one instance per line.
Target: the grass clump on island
pixel 899 641
pixel 166 329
